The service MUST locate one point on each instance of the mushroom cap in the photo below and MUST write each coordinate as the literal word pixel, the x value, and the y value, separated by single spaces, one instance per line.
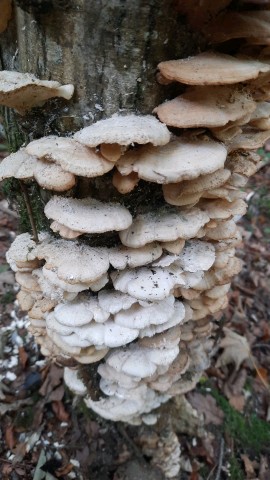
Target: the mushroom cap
pixel 122 257
pixel 250 139
pixel 22 91
pixel 231 24
pixel 196 255
pixel 213 106
pixel 242 164
pixel 222 209
pixel 218 291
pixel 151 284
pixel 165 225
pixel 88 215
pixel 137 361
pixel 225 229
pixel 124 130
pixel 138 316
pixel 70 155
pixel 74 262
pixel 80 312
pixel 191 190
pixel 23 166
pixel 27 281
pixel 113 301
pixel 176 246
pixel 125 184
pixel 210 68
pixel 22 249
pixel 73 382
pixel 107 334
pixel 181 159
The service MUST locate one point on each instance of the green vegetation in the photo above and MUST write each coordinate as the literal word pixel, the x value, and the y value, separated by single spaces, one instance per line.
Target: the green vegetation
pixel 236 471
pixel 249 434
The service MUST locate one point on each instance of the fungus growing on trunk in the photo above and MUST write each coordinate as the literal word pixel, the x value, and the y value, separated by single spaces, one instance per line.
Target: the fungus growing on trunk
pixel 23 91
pixel 146 302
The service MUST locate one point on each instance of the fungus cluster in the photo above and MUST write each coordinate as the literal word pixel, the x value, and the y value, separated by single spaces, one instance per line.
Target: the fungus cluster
pixel 135 289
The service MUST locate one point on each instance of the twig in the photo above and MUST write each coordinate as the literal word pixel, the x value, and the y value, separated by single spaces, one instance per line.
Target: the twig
pixel 130 442
pixel 29 210
pixel 220 459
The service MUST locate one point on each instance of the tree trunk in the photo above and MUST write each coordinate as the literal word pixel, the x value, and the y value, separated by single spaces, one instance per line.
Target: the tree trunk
pixel 108 50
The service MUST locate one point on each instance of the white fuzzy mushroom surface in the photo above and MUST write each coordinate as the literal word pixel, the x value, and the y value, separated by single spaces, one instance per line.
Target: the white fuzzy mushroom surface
pixel 138 263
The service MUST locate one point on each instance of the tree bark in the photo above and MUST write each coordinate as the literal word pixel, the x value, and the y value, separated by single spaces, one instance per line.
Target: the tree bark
pixel 108 49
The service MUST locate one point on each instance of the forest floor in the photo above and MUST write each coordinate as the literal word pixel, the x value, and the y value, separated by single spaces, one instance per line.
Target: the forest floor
pixel 46 433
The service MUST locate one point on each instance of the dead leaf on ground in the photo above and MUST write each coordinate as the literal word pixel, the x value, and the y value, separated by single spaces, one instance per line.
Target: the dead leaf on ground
pixel 52 380
pixel 9 437
pixel 207 405
pixel 249 469
pixel 235 349
pixel 60 412
pixel 23 357
pixel 64 470
pixel 238 402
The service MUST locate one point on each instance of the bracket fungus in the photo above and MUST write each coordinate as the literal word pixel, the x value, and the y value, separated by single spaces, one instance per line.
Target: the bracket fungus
pixel 143 303
pixel 23 91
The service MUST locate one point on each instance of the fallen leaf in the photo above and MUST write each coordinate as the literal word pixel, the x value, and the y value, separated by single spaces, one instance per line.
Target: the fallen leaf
pixel 23 357
pixel 52 380
pixel 9 437
pixel 261 374
pixel 207 405
pixel 64 470
pixel 238 402
pixel 235 349
pixel 60 412
pixel 248 466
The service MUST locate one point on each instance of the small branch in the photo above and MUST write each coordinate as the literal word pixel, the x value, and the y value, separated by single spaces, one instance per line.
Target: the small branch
pixel 29 210
pixel 220 459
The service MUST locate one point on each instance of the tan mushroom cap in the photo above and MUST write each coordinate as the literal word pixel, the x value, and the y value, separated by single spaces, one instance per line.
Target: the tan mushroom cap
pixel 260 118
pixel 27 281
pixel 211 68
pixel 111 151
pixel 88 215
pixel 25 300
pixel 206 107
pixel 242 164
pixel 124 130
pixel 190 190
pixel 165 225
pixel 226 229
pixel 181 159
pixel 74 262
pixel 222 209
pixel 23 91
pixel 231 24
pixel 176 246
pixel 70 155
pixel 125 184
pixel 64 231
pixel 218 291
pixel 227 133
pixel 250 139
pixel 6 11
